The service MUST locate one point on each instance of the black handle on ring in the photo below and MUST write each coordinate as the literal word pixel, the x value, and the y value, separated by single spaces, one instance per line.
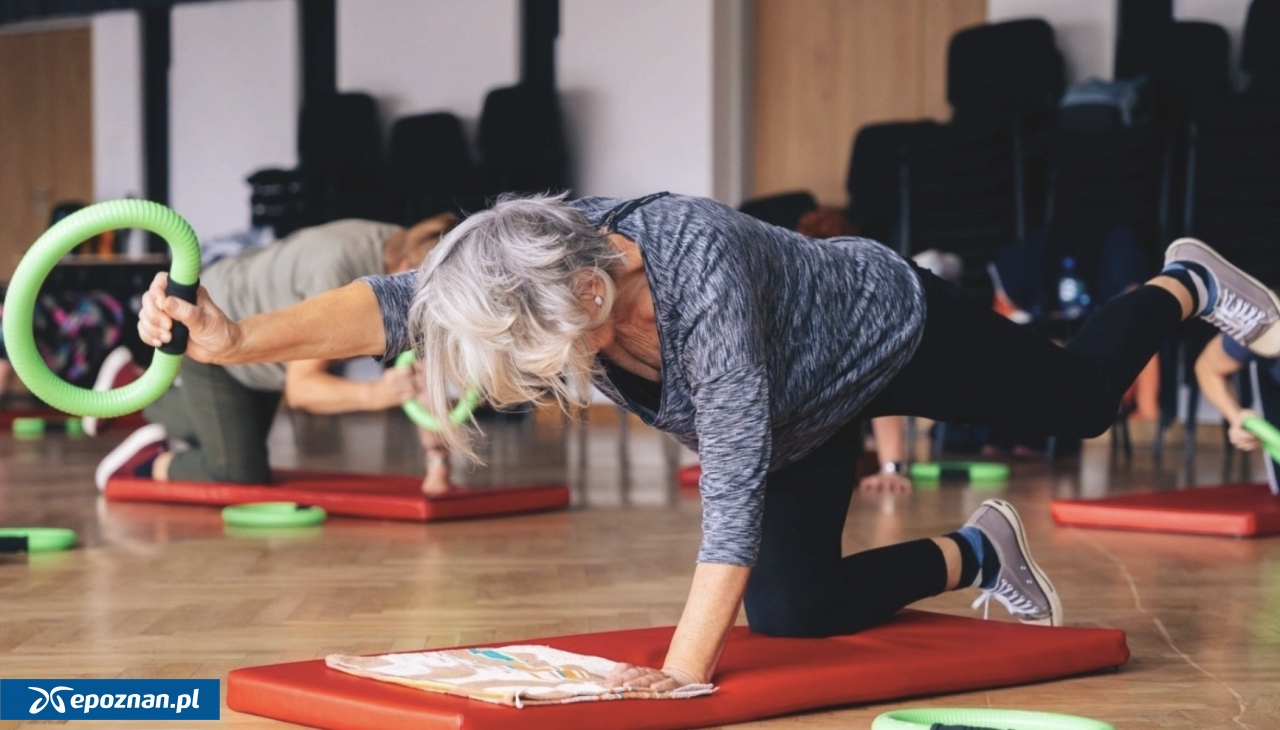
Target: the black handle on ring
pixel 187 293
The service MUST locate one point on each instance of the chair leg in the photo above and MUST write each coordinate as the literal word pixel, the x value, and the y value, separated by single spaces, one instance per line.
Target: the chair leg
pixel 1193 413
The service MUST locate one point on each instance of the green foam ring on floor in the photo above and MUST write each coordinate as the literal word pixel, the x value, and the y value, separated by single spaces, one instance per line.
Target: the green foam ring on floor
pixel 973 471
pixel 983 719
pixel 28 427
pixel 34 427
pixel 35 539
pixel 273 514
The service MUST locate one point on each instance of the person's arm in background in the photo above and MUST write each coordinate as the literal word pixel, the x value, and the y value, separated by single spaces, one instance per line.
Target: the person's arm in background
pixel 340 324
pixel 891 449
pixel 309 386
pixel 1214 369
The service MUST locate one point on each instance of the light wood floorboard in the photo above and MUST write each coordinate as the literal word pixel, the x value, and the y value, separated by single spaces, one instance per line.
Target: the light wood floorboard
pixel 165 591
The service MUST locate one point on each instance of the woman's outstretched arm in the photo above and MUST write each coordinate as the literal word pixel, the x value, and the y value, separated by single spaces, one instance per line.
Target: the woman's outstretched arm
pixel 342 323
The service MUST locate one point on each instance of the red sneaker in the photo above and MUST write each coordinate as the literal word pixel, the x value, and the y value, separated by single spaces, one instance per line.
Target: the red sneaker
pixel 117 371
pixel 147 442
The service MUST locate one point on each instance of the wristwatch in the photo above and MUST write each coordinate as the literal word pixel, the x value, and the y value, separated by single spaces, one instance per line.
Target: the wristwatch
pixel 893 467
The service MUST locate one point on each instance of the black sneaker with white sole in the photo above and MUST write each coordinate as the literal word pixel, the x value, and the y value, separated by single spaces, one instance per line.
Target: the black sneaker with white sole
pixel 1020 585
pixel 1234 302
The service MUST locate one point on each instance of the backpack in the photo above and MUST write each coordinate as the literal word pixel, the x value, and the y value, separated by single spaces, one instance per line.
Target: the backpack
pixel 1095 105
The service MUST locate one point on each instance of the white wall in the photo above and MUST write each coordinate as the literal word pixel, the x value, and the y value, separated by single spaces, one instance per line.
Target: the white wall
pixel 234 104
pixel 654 92
pixel 419 56
pixel 636 80
pixel 117 106
pixel 1085 30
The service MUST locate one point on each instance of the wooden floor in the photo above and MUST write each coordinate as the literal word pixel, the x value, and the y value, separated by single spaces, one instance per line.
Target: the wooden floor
pixel 164 591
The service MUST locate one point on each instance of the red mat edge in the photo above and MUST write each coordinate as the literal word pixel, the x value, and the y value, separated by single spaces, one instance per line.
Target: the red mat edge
pixel 1130 513
pixel 243 684
pixel 459 504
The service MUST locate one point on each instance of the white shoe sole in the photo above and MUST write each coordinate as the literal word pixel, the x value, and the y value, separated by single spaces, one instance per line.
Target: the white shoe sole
pixel 111 366
pixel 1055 604
pixel 111 463
pixel 1268 345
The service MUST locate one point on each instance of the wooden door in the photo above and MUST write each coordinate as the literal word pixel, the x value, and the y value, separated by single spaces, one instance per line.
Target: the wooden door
pixel 46 132
pixel 825 68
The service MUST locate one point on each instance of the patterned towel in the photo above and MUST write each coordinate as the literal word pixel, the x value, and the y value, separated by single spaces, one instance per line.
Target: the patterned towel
pixel 508 675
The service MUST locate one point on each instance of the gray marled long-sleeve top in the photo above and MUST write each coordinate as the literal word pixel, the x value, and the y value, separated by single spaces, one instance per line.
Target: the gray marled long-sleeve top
pixel 770 342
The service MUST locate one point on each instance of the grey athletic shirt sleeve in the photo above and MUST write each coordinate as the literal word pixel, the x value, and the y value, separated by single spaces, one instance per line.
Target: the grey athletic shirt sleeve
pixel 770 342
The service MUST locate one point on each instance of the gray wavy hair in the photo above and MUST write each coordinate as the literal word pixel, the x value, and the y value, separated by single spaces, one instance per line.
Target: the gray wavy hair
pixel 498 306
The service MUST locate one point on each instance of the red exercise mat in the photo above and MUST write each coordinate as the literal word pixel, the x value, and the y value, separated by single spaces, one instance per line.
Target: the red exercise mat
pixel 383 496
pixel 916 654
pixel 688 476
pixel 128 421
pixel 1232 510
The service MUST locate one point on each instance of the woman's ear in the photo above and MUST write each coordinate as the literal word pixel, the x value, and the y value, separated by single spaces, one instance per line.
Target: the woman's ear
pixel 592 292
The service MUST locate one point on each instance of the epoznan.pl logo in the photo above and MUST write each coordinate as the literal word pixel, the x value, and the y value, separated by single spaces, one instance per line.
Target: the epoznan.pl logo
pixel 109 699
pixel 47 698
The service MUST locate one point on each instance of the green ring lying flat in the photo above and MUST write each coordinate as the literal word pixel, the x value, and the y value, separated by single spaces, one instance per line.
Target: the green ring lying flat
pixel 1268 434
pixel 44 254
pixel 923 719
pixel 272 514
pixel 416 413
pixel 36 539
pixel 974 471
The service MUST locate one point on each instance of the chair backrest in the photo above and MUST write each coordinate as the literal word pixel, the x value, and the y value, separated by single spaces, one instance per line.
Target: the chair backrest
pixel 872 181
pixel 340 158
pixel 1235 186
pixel 429 166
pixel 339 131
pixel 784 209
pixel 522 142
pixel 1260 54
pixel 1189 64
pixel 959 191
pixel 1101 180
pixel 1001 70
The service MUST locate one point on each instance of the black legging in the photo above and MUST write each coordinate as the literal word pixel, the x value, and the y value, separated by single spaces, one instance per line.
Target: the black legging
pixel 972 366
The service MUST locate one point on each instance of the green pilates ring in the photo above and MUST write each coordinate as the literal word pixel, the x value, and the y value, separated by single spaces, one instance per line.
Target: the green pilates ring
pixel 416 413
pixel 44 254
pixel 1268 434
pixel 35 539
pixel 973 471
pixel 983 719
pixel 272 514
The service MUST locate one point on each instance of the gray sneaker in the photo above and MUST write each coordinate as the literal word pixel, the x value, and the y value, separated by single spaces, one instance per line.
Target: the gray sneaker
pixel 1021 587
pixel 1239 305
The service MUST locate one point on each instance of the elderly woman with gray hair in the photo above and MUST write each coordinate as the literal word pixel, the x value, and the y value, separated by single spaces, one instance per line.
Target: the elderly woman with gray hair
pixel 757 347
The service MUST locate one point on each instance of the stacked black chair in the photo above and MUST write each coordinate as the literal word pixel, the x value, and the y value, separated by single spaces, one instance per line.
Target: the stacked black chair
pixel 340 158
pixel 1260 54
pixel 430 169
pixel 968 187
pixel 522 142
pixel 1189 65
pixel 1106 171
pixel 277 201
pixel 873 180
pixel 784 209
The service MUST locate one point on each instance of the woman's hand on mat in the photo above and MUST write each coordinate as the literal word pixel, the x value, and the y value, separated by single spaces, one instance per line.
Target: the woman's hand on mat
pixel 396 386
pixel 213 336
pixel 885 484
pixel 1240 438
pixel 629 676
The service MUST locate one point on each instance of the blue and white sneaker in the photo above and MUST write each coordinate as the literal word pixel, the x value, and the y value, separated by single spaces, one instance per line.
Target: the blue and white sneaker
pixel 1020 585
pixel 1234 302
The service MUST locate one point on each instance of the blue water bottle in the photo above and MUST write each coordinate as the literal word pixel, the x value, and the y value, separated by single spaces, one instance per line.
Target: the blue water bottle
pixel 1073 299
